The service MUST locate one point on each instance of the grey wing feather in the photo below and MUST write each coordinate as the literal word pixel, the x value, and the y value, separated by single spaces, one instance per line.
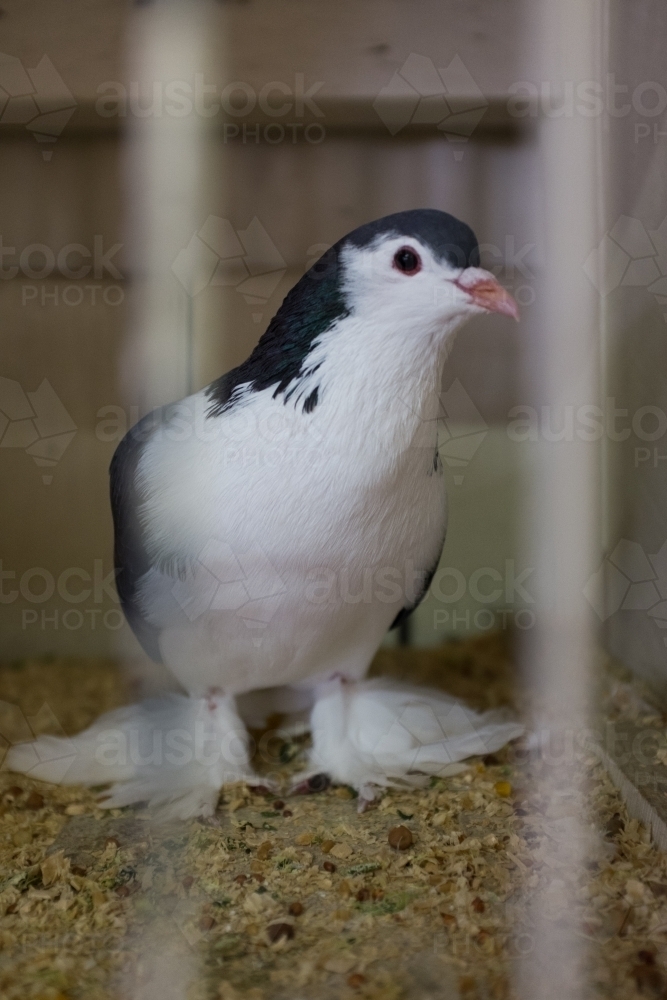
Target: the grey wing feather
pixel 406 612
pixel 131 558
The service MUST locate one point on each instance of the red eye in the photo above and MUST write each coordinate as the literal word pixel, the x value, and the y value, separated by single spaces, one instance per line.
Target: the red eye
pixel 407 260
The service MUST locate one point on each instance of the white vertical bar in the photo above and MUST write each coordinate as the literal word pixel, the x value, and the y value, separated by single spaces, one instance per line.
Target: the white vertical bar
pixel 164 173
pixel 564 372
pixel 165 184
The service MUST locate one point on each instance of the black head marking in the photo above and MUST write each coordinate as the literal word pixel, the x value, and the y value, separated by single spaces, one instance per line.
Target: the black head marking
pixel 317 301
pixel 307 311
pixel 447 237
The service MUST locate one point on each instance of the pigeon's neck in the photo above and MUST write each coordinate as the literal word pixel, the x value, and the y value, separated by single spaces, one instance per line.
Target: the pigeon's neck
pixel 382 387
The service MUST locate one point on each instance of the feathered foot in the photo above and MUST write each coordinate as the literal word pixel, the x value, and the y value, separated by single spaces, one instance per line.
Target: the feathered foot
pixel 380 733
pixel 174 753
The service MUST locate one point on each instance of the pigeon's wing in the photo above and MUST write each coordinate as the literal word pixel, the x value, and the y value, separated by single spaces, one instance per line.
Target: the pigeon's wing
pixel 131 558
pixel 426 583
pixel 405 612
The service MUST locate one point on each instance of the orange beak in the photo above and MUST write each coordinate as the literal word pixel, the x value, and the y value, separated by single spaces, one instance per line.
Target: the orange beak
pixel 486 292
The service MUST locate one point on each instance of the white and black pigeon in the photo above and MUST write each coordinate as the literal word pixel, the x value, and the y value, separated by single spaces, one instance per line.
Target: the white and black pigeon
pixel 272 527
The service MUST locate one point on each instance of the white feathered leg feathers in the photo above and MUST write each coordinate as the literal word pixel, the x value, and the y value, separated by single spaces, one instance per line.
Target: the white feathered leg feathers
pixel 174 753
pixel 381 732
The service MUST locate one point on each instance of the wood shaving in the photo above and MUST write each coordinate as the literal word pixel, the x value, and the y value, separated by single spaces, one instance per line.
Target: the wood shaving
pixel 89 900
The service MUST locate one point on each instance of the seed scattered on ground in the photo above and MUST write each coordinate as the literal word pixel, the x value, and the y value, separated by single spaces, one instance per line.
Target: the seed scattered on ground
pixel 341 851
pixel 614 826
pixel 264 850
pixel 342 931
pixel 75 809
pixel 277 931
pixel 287 813
pixel 340 963
pixel 296 909
pixel 278 805
pixel 206 922
pixel 329 866
pixel 503 789
pixel 34 801
pixel 327 845
pixel 478 905
pixel 649 980
pixel 304 839
pixel 400 838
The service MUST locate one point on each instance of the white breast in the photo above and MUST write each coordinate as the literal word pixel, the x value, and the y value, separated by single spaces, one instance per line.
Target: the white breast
pixel 301 536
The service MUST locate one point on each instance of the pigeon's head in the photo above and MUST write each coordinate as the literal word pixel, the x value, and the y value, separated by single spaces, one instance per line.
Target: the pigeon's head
pixel 419 268
pixel 406 282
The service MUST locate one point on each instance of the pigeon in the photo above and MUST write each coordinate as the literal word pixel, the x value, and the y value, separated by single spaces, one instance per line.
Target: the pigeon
pixel 272 527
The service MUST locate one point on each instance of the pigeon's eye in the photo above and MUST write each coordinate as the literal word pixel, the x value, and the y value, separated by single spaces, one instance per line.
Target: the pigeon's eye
pixel 407 260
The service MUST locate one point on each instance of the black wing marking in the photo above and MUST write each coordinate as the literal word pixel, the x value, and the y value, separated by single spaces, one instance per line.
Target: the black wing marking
pixel 428 577
pixel 405 613
pixel 131 559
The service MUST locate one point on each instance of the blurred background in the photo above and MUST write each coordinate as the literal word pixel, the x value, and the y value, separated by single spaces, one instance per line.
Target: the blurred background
pixel 300 121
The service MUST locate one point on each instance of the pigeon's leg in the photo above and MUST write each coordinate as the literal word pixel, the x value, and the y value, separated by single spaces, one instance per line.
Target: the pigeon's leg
pixel 174 753
pixel 238 747
pixel 380 733
pixel 318 782
pixel 291 704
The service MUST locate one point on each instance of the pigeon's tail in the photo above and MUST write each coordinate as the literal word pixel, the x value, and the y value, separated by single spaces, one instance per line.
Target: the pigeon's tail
pixel 173 753
pixel 380 732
